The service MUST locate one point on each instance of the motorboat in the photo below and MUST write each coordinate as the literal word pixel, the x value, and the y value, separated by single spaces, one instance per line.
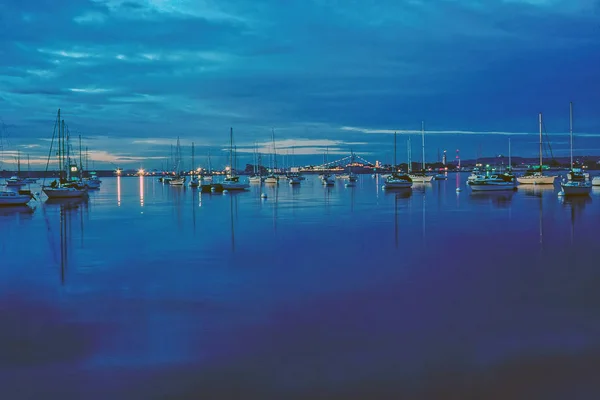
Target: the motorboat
pixel 20 198
pixel 494 182
pixel 398 181
pixel 576 184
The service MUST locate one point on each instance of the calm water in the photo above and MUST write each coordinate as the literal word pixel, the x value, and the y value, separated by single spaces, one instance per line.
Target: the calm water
pixel 149 291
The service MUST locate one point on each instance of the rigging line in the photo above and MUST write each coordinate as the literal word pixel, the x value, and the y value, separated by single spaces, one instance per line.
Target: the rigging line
pixel 49 153
pixel 547 140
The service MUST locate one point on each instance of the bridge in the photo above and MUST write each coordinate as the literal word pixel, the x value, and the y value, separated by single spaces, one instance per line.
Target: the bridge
pixel 344 162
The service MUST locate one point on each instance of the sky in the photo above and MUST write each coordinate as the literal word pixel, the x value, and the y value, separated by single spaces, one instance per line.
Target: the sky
pixel 132 76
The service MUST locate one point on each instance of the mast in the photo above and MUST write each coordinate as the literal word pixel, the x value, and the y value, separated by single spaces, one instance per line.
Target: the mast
pixel 571 129
pixel 65 155
pixel 193 164
pixel 409 155
pixel 80 159
pixel 423 142
pixel 540 143
pixel 18 163
pixel 274 150
pixel 509 160
pixel 231 151
pixel 394 166
pixel 59 147
pixel 87 156
pixel 28 167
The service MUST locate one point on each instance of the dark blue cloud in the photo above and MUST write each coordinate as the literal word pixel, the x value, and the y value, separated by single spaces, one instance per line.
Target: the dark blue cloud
pixel 124 70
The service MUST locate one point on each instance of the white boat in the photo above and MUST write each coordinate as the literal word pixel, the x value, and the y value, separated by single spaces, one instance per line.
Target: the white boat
pixel 294 180
pixel 596 181
pixel 177 181
pixel 15 181
pixel 493 183
pixel 30 180
pixel 396 180
pixel 534 177
pixel 440 177
pixel 421 178
pixel 232 181
pixel 577 182
pixel 207 178
pixel 10 198
pixel 255 179
pixel 271 179
pixel 66 186
pixel 577 186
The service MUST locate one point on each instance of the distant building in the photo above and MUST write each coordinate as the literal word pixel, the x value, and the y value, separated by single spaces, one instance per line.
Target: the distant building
pixel 444 159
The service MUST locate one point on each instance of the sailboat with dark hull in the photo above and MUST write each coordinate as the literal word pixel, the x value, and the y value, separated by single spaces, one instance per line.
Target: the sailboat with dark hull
pixel 397 180
pixel 66 186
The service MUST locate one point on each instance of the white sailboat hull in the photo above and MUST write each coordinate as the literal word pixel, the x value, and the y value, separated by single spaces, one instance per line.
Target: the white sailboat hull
pixel 421 179
pixel 64 192
pixel 576 188
pixel 536 180
pixel 255 179
pixel 271 180
pixel 596 181
pixel 294 181
pixel 177 181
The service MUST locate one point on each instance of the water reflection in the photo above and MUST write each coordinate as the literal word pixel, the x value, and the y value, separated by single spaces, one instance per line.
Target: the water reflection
pixel 536 190
pixel 497 199
pixel 141 190
pixel 23 211
pixel 119 190
pixel 68 210
pixel 576 204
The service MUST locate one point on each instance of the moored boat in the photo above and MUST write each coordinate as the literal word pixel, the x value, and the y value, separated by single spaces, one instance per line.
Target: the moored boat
pixel 10 198
pixel 577 182
pixel 496 182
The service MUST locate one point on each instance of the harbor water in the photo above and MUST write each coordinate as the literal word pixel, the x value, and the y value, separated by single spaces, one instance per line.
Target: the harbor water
pixel 151 291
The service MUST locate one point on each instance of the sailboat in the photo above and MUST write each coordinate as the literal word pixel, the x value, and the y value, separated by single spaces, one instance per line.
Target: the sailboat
pixel 534 176
pixel 232 181
pixel 352 178
pixel 578 183
pixel 29 179
pixel 194 181
pixel 272 178
pixel 326 178
pixel 16 180
pixel 421 176
pixel 208 175
pixel 294 178
pixel 396 180
pixel 66 187
pixel 177 179
pixel 256 176
pixel 91 181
